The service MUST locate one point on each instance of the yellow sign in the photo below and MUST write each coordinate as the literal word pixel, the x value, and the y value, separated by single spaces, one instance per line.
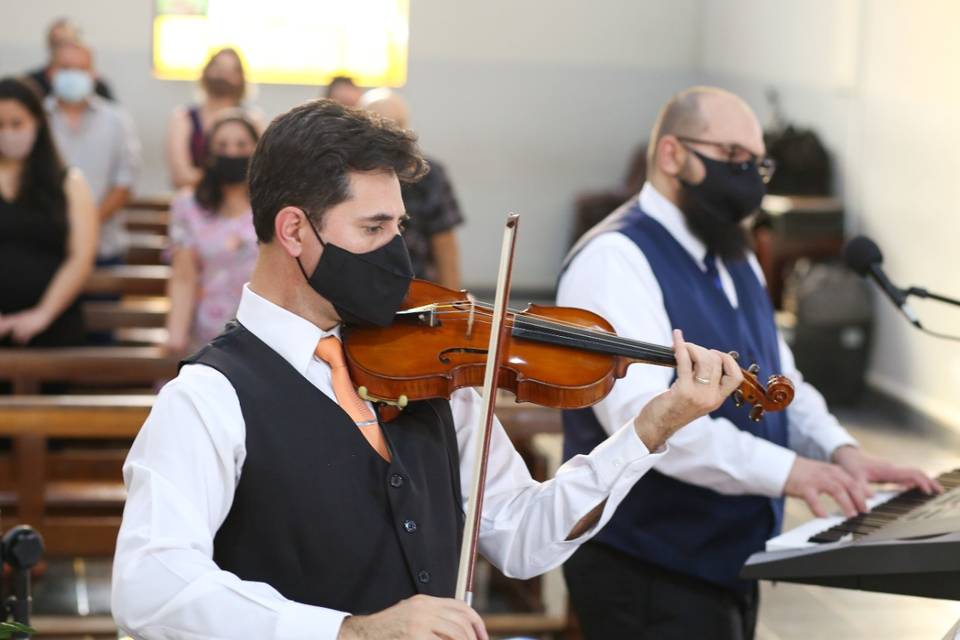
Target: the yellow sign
pixel 286 41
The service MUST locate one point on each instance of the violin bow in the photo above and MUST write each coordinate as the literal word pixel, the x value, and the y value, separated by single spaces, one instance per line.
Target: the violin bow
pixel 471 529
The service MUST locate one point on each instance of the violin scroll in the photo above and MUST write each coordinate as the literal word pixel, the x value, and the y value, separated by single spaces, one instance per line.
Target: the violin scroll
pixel 775 397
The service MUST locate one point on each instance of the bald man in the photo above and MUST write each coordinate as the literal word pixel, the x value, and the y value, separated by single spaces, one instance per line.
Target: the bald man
pixel 431 204
pixel 677 257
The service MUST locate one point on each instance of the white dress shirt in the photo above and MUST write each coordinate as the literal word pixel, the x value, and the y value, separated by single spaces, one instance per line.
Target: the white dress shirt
pixel 184 466
pixel 613 278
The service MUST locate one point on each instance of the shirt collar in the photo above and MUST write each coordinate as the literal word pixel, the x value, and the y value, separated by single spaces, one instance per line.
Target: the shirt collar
pixel 657 206
pixel 294 338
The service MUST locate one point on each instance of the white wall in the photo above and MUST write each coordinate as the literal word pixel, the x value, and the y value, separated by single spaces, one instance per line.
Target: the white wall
pixel 878 78
pixel 527 103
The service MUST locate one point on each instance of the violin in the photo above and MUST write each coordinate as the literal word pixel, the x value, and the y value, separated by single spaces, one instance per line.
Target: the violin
pixel 558 357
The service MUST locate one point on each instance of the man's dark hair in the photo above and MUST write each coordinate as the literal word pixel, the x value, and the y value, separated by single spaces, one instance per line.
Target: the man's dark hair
pixel 337 80
pixel 305 156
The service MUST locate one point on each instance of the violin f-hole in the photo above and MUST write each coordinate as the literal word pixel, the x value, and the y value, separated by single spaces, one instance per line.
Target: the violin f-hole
pixel 443 356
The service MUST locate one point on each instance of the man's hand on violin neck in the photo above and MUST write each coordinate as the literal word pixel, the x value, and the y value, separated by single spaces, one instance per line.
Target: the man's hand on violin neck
pixel 705 377
pixel 417 618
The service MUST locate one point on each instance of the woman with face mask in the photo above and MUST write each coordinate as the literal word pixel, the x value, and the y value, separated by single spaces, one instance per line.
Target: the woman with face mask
pixel 48 228
pixel 223 81
pixel 213 242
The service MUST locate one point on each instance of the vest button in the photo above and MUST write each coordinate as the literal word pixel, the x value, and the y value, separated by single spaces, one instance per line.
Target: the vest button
pixel 423 577
pixel 410 526
pixel 396 481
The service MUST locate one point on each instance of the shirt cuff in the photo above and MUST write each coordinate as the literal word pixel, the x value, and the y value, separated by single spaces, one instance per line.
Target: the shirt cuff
pixel 767 468
pixel 303 622
pixel 623 452
pixel 833 438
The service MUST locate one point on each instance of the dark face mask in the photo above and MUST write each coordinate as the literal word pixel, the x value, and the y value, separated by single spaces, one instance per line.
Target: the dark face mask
pixel 722 238
pixel 364 288
pixel 221 87
pixel 229 170
pixel 731 191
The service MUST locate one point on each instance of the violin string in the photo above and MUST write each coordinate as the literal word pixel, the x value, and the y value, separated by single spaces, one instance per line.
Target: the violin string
pixel 558 328
pixel 575 332
pixel 563 329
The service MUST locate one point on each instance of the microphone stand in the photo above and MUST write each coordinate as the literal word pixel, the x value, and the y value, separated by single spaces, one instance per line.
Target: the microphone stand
pixel 920 292
pixel 21 548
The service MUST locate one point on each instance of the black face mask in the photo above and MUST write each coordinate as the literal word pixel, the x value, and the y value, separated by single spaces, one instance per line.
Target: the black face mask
pixel 724 239
pixel 221 87
pixel 731 191
pixel 229 169
pixel 364 288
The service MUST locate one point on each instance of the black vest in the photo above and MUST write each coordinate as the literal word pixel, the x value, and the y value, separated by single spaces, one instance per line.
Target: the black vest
pixel 317 514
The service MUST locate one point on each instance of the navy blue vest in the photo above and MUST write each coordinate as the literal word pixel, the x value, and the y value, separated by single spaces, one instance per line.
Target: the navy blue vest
pixel 664 521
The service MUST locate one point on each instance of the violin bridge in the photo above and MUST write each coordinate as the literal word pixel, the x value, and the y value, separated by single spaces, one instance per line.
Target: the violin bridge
pixel 473 308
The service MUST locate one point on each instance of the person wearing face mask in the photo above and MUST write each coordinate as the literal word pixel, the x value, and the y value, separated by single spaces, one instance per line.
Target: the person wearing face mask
pixel 48 228
pixel 677 256
pixel 267 500
pixel 97 137
pixel 63 31
pixel 224 85
pixel 213 245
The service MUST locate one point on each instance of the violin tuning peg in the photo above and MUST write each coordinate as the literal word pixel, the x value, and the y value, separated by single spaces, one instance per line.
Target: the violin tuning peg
pixel 756 413
pixel 754 368
pixel 735 355
pixel 738 398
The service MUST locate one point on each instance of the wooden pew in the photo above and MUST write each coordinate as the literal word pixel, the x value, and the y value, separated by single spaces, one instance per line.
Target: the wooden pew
pixel 146 248
pixel 106 316
pixel 136 280
pixel 74 498
pixel 137 322
pixel 142 366
pixel 159 202
pixel 155 222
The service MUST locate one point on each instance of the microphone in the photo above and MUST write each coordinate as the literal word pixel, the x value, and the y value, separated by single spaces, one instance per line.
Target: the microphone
pixel 863 256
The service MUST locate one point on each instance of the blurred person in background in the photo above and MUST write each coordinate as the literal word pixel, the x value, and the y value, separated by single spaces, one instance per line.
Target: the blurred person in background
pixel 48 228
pixel 342 89
pixel 224 85
pixel 63 31
pixel 213 242
pixel 431 204
pixel 97 137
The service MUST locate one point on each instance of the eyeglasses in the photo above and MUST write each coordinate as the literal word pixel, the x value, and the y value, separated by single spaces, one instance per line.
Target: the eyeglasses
pixel 740 158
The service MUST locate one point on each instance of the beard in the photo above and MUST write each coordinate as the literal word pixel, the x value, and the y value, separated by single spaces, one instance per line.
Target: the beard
pixel 725 239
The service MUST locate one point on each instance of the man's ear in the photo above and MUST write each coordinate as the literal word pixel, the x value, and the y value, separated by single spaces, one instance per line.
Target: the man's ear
pixel 669 155
pixel 288 229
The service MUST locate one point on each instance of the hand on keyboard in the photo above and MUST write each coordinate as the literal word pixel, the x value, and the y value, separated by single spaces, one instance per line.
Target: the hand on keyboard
pixel 866 468
pixel 809 479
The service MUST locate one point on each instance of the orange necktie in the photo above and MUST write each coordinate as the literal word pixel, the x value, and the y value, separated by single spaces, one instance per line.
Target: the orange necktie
pixel 330 351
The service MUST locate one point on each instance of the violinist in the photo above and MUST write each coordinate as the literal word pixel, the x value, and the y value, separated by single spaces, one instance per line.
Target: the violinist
pixel 267 500
pixel 676 256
